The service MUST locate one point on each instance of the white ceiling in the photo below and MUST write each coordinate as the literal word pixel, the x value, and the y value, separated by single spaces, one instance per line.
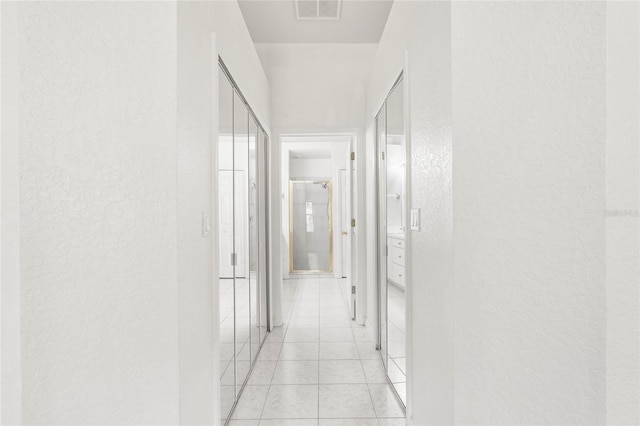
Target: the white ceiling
pixel 274 21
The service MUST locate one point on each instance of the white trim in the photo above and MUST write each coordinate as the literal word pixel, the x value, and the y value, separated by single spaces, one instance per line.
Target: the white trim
pixel 387 91
pixel 215 232
pixel 401 75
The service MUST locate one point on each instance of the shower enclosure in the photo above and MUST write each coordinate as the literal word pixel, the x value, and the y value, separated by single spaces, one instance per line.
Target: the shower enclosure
pixel 310 226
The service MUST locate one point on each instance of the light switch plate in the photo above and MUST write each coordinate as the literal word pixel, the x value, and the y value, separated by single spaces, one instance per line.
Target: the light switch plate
pixel 415 219
pixel 206 225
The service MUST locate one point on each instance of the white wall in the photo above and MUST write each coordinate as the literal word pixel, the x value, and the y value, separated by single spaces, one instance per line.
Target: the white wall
pixel 197 122
pixel 621 216
pixel 508 130
pixel 319 89
pixel 310 168
pixel 118 320
pixel 10 338
pixel 97 168
pixel 529 192
pixel 316 86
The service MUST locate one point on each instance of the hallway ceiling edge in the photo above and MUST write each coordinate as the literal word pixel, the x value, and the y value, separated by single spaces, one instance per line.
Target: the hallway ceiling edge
pixel 274 21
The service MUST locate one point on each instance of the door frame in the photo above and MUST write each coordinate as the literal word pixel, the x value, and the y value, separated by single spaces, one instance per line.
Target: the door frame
pixel 218 67
pixel 400 77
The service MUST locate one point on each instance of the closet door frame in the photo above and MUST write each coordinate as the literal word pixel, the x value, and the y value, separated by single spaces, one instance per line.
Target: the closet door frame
pixel 262 213
pixel 382 249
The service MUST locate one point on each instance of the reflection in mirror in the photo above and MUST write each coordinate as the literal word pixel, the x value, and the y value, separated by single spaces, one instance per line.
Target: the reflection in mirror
pixel 242 172
pixel 241 240
pixel 395 232
pixel 226 215
pixel 381 136
pixel 310 216
pixel 262 227
pixel 254 251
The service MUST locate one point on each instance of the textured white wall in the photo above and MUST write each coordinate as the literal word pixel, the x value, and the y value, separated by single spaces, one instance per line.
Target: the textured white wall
pixel 10 338
pixel 197 121
pixel 621 217
pixel 109 272
pixel 528 196
pixel 97 212
pixel 508 169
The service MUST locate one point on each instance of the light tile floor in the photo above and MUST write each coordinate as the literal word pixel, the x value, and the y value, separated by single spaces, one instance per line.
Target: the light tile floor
pixel 320 368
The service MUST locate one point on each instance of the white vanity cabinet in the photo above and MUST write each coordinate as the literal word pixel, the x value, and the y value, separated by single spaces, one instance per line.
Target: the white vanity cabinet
pixel 395 260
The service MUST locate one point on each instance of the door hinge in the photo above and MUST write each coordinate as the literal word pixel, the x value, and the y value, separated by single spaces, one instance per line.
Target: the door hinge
pixel 233 259
pixel 353 289
pixel 353 223
pixel 383 155
pixel 353 156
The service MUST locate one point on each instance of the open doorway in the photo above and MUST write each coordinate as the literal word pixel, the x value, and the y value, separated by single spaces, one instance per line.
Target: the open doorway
pixel 317 208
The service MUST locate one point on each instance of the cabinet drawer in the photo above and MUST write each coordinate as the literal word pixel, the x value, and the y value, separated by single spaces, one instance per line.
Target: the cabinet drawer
pixel 397 255
pixel 396 274
pixel 395 242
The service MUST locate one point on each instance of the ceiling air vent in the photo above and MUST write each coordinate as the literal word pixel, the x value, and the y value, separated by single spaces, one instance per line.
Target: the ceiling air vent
pixel 317 10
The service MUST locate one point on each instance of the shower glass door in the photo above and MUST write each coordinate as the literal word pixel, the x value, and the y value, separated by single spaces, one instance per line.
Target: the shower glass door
pixel 310 222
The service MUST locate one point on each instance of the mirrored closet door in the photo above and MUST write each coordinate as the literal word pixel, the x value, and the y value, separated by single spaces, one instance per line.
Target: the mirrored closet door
pixel 390 170
pixel 242 148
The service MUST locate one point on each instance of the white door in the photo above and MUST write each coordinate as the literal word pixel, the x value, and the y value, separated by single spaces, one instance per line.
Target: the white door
pixel 225 198
pixel 344 220
pixel 347 232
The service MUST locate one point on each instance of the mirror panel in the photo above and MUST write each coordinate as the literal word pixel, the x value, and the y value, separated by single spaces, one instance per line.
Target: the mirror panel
pixel 395 201
pixel 225 217
pixel 241 241
pixel 243 293
pixel 254 249
pixel 381 137
pixel 263 179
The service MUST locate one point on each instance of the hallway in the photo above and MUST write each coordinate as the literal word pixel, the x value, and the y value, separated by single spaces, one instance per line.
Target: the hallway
pixel 475 163
pixel 319 368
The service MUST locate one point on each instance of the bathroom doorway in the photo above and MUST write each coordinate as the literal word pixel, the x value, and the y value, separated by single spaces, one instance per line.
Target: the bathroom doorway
pixel 317 176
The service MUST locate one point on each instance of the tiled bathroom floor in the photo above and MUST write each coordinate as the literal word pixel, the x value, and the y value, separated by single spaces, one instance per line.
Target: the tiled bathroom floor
pixel 320 368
